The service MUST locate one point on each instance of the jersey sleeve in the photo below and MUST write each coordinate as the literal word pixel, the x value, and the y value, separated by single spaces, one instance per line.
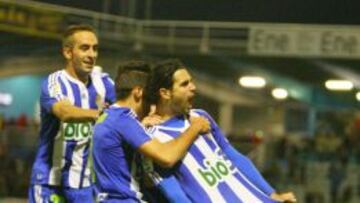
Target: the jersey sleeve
pixel 245 165
pixel 51 92
pixel 110 96
pixel 133 132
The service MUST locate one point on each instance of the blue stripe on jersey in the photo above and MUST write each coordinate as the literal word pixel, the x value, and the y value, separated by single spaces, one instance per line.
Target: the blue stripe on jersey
pixel 93 96
pixel 172 133
pixel 85 161
pixel 63 87
pixel 109 89
pixel 262 196
pixel 76 92
pixel 216 149
pixel 45 144
pixel 194 150
pixel 210 142
pixel 70 146
pixel 186 176
pixel 227 193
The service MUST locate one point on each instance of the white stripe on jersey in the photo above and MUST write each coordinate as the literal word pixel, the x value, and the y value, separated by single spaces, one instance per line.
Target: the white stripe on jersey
pixel 70 93
pixel 54 86
pixel 134 185
pixel 100 88
pixel 57 160
pixel 37 193
pixel 76 166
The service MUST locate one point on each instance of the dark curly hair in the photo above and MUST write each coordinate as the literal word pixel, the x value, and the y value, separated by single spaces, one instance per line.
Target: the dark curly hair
pixel 161 77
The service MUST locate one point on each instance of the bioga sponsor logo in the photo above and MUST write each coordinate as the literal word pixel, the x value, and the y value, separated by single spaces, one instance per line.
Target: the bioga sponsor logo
pixel 76 131
pixel 215 171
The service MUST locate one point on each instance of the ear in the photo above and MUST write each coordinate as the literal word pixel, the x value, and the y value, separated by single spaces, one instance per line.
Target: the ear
pixel 67 53
pixel 164 93
pixel 138 93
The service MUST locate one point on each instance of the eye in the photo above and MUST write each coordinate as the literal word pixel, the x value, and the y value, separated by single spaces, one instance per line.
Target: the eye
pixel 84 47
pixel 185 83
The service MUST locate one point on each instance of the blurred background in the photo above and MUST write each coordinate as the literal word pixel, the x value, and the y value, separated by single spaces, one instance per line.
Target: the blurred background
pixel 282 79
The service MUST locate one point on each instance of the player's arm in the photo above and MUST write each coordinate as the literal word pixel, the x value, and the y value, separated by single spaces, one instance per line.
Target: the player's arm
pixel 67 112
pixel 246 166
pixel 173 192
pixel 54 101
pixel 168 153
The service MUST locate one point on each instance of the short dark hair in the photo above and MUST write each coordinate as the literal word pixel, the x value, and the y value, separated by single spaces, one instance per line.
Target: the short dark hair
pixel 162 77
pixel 131 74
pixel 71 30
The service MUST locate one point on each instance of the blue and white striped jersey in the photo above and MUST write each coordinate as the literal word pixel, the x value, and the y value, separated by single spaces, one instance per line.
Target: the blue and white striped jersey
pixel 205 173
pixel 63 150
pixel 117 135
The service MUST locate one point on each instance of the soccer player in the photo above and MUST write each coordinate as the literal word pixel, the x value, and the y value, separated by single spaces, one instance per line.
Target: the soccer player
pixel 71 100
pixel 118 135
pixel 212 170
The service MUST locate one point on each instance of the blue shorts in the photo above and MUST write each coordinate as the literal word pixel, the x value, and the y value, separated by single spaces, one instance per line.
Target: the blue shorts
pixel 56 194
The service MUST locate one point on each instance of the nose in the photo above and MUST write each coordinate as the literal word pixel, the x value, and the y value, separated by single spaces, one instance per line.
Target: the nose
pixel 192 86
pixel 92 53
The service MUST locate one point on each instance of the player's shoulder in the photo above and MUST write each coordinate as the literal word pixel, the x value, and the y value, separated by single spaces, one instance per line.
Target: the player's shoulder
pixel 52 79
pixel 98 72
pixel 54 75
pixel 200 112
pixel 122 115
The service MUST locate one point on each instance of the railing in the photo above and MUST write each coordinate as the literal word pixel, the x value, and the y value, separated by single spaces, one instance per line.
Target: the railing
pixel 199 37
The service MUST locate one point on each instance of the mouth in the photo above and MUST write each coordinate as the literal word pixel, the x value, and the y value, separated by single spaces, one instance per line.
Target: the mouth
pixel 89 63
pixel 190 101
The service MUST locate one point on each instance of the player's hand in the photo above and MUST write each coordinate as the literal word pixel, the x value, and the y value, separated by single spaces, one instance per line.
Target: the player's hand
pixel 66 102
pixel 283 197
pixel 106 105
pixel 201 123
pixel 151 120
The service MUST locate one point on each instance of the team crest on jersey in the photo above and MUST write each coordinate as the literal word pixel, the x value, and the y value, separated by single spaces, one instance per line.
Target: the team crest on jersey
pixel 216 170
pixel 55 89
pixel 76 131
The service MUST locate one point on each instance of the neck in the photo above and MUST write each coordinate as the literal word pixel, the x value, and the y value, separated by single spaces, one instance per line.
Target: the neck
pixel 165 111
pixel 129 103
pixel 71 71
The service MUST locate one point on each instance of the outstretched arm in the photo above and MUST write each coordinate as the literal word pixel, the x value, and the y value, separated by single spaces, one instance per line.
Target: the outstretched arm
pixel 246 166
